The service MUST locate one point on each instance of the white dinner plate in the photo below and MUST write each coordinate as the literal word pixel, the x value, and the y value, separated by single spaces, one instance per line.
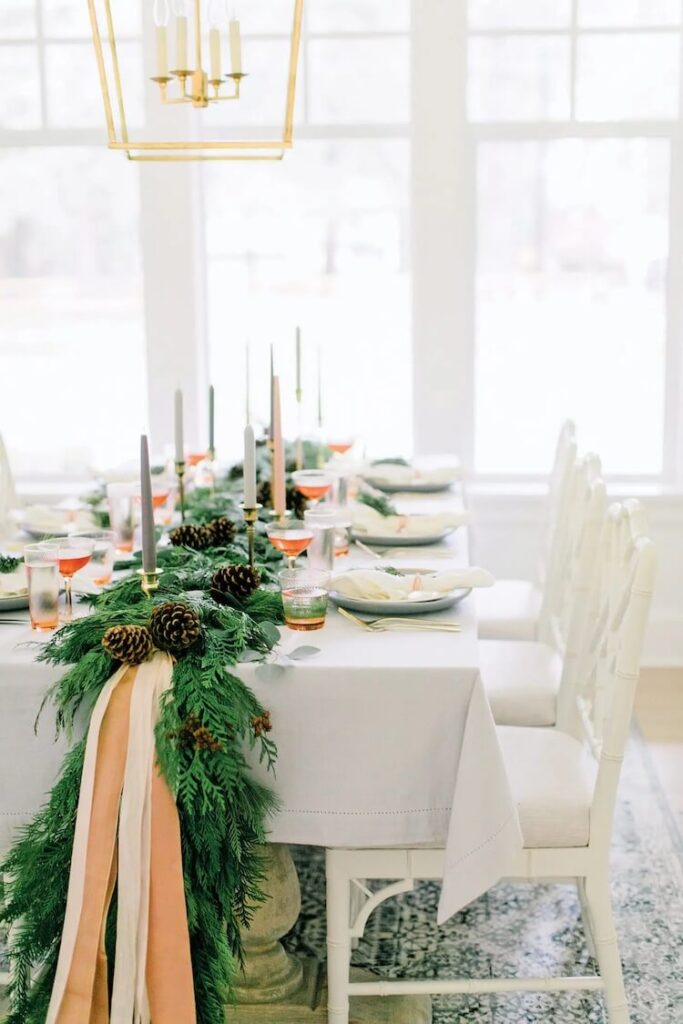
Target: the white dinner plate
pixel 375 607
pixel 402 540
pixel 417 487
pixel 34 534
pixel 13 602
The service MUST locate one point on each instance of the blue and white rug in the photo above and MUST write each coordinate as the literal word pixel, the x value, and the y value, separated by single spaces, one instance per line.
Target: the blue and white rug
pixel 536 930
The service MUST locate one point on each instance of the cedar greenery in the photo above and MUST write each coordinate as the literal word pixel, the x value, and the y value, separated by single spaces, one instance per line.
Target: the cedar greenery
pixel 223 809
pixel 9 564
pixel 378 502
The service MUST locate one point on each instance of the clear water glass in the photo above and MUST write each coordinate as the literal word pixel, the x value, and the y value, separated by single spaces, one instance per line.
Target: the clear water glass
pixel 124 513
pixel 100 568
pixel 42 573
pixel 305 597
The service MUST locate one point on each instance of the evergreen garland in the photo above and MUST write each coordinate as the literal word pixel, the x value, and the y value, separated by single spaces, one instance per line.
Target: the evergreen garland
pixel 209 719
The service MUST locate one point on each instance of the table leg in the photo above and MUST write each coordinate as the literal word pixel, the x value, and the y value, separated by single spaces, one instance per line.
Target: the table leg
pixel 277 988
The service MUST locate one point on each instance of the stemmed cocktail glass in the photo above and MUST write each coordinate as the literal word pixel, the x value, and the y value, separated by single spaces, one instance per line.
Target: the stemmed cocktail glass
pixel 314 484
pixel 72 554
pixel 291 537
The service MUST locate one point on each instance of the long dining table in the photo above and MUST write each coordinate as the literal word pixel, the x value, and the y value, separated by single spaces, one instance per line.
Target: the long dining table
pixel 385 739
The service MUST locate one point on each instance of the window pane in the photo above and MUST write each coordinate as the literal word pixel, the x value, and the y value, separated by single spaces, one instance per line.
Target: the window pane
pixel 518 79
pixel 74 97
pixel 70 18
pixel 264 16
pixel 358 16
pixel 71 317
pixel 627 77
pixel 629 12
pixel 572 255
pixel 519 13
pixel 263 92
pixel 375 76
pixel 322 243
pixel 20 104
pixel 17 19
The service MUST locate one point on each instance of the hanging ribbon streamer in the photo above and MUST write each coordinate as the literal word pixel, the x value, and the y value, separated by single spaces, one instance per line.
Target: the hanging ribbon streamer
pixel 127 833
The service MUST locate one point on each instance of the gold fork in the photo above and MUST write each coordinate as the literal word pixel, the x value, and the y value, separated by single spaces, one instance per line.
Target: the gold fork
pixel 383 625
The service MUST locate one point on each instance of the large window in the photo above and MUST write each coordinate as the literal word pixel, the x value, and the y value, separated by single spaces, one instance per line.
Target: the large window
pixel 324 242
pixel 72 345
pixel 574 112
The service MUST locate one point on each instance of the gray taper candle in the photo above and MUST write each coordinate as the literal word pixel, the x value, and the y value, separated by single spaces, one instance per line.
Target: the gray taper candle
pixel 149 543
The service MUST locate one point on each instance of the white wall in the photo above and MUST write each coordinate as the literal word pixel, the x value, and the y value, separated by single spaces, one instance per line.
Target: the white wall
pixel 506 542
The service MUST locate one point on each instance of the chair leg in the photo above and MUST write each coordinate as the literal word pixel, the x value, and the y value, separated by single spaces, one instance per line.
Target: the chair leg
pixel 586 917
pixel 338 941
pixel 607 947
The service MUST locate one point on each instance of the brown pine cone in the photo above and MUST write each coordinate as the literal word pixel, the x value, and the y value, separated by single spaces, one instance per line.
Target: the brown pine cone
pixel 188 536
pixel 174 626
pixel 129 644
pixel 239 580
pixel 222 532
pixel 262 724
pixel 295 499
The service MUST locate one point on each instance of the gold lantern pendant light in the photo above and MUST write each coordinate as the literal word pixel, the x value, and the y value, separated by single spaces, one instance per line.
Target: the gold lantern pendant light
pixel 196 81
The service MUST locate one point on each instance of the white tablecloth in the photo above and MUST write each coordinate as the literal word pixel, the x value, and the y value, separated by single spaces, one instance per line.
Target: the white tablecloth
pixel 383 739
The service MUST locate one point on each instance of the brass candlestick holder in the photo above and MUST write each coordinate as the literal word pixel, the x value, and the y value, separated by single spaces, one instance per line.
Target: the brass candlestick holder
pixel 180 473
pixel 149 580
pixel 250 516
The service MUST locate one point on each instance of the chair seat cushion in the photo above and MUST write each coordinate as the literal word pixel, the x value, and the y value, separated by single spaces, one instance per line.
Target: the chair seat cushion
pixel 552 778
pixel 521 679
pixel 508 610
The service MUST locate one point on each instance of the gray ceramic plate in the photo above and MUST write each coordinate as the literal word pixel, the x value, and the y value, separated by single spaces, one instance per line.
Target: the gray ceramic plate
pixel 43 534
pixel 14 602
pixel 401 541
pixel 439 604
pixel 414 488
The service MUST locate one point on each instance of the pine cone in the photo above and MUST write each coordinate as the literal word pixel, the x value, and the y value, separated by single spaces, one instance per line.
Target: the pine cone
pixel 222 532
pixel 129 644
pixel 239 580
pixel 262 724
pixel 188 536
pixel 295 499
pixel 174 626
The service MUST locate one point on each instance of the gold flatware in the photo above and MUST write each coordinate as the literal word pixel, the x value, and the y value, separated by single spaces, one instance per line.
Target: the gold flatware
pixel 386 623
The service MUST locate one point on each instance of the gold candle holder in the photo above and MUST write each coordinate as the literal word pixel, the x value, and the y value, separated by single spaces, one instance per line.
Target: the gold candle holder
pixel 250 517
pixel 149 581
pixel 180 473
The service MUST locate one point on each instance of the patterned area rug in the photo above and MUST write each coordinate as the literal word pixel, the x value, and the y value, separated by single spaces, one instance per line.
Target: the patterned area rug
pixel 536 930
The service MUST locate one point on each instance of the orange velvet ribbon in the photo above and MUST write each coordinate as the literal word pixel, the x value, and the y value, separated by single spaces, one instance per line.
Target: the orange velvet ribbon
pixel 169 968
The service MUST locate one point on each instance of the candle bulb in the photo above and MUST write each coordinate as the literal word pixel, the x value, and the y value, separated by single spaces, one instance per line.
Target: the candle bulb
pixel 235 47
pixel 179 445
pixel 249 467
pixel 149 550
pixel 298 361
pixel 279 492
pixel 161 15
pixel 215 51
pixel 212 403
pixel 181 27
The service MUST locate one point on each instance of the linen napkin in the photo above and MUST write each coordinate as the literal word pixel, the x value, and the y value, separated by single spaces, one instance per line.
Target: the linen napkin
pixel 390 473
pixel 13 584
pixel 8 494
pixel 369 521
pixel 377 585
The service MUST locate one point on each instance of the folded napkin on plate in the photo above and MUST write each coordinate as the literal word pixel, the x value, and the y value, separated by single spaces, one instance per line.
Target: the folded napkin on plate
pixel 13 583
pixel 42 519
pixel 367 520
pixel 390 473
pixel 376 585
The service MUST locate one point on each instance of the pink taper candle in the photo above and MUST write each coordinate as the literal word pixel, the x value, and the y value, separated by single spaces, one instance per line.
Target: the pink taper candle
pixel 279 497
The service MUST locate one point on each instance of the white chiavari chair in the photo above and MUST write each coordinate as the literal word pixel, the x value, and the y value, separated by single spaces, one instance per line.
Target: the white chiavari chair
pixel 516 609
pixel 524 677
pixel 565 785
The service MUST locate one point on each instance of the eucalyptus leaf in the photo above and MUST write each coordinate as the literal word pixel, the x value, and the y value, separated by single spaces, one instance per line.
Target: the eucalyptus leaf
pixel 248 656
pixel 270 631
pixel 300 653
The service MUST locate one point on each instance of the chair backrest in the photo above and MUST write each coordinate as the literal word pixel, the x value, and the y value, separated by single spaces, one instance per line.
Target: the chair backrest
pixel 562 564
pixel 8 494
pixel 565 457
pixel 609 663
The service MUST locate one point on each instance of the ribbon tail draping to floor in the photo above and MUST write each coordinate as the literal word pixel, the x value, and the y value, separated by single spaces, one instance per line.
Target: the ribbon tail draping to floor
pixel 127 833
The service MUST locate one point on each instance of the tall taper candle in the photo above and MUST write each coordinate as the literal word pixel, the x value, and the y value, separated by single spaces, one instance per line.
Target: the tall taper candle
pixel 279 493
pixel 212 403
pixel 149 544
pixel 247 384
pixel 178 423
pixel 320 390
pixel 249 467
pixel 271 429
pixel 298 362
